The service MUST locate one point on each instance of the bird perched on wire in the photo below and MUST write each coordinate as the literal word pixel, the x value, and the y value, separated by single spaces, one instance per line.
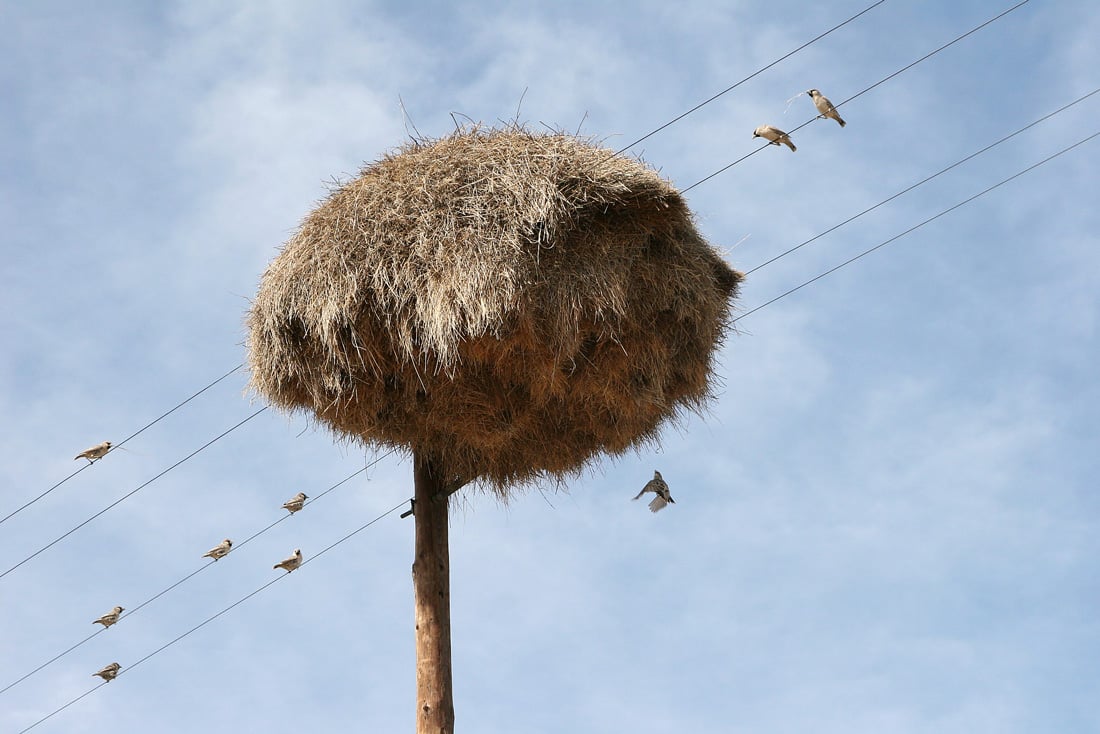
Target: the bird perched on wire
pixel 657 486
pixel 110 617
pixel 296 502
pixel 290 562
pixel 824 106
pixel 96 452
pixel 109 672
pixel 221 550
pixel 774 135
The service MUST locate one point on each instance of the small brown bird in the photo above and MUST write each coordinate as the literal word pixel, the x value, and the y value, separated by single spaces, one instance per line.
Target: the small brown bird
pixel 824 106
pixel 295 503
pixel 657 486
pixel 109 672
pixel 221 550
pixel 110 617
pixel 290 562
pixel 96 452
pixel 774 135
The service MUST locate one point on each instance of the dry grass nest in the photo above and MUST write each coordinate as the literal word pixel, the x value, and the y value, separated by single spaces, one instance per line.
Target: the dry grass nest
pixel 509 304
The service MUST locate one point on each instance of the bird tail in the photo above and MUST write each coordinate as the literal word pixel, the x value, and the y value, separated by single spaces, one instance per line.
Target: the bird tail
pixel 658 503
pixel 789 144
pixel 841 121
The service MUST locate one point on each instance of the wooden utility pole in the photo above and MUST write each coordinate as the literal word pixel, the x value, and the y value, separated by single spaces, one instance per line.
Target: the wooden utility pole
pixel 435 712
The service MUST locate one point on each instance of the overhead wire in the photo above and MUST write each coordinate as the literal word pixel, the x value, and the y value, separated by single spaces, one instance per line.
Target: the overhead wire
pixel 137 433
pixel 886 78
pixel 146 427
pixel 923 181
pixel 237 547
pixel 756 73
pixel 917 226
pixel 211 618
pixel 936 51
pixel 134 491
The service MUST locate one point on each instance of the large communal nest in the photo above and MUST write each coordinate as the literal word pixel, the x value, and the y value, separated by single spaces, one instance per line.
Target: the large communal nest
pixel 509 304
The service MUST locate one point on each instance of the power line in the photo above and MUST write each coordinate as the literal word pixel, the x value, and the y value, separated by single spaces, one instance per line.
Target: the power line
pixel 197 571
pixel 211 618
pixel 927 56
pixel 70 703
pixel 922 182
pixel 133 491
pixel 58 656
pixel 759 71
pixel 933 53
pixel 253 593
pixel 141 430
pixel 916 226
pixel 120 443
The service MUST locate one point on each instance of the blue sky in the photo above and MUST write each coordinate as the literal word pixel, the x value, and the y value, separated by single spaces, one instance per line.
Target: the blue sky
pixel 887 522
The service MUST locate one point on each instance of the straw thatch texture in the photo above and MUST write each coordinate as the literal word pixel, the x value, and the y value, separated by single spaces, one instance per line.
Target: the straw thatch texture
pixel 508 303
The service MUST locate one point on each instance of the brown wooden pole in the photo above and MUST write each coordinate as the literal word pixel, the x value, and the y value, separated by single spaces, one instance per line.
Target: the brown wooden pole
pixel 435 712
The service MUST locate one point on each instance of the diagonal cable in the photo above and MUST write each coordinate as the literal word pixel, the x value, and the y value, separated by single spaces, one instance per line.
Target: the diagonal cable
pixel 915 227
pixel 922 181
pixel 133 492
pixel 141 430
pixel 927 56
pixel 197 571
pixel 759 71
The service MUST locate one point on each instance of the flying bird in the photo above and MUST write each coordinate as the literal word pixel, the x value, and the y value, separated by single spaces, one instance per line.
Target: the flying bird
pixel 824 106
pixel 221 550
pixel 295 503
pixel 110 617
pixel 774 135
pixel 109 672
pixel 290 562
pixel 657 486
pixel 96 452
